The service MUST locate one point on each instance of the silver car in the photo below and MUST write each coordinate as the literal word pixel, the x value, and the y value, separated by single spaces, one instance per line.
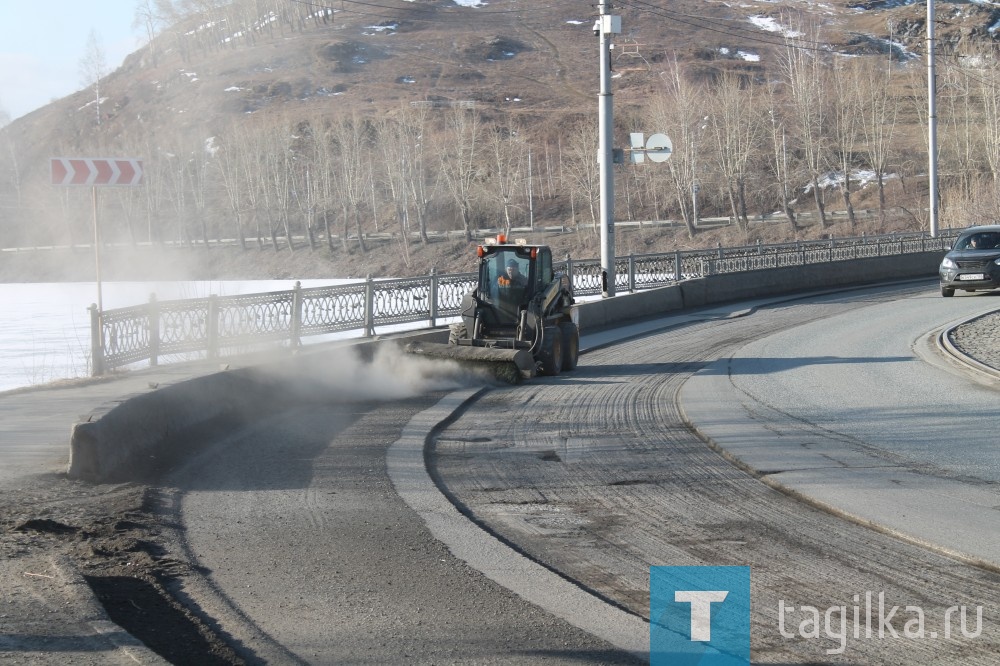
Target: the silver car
pixel 973 263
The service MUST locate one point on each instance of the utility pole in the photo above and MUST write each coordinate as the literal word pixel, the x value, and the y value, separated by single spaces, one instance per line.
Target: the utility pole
pixel 606 26
pixel 531 200
pixel 932 176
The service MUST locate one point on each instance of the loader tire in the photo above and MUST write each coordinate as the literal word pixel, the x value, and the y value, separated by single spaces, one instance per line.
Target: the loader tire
pixel 570 345
pixel 457 332
pixel 552 352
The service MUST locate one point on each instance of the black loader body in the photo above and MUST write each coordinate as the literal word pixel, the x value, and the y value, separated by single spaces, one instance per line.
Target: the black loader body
pixel 518 319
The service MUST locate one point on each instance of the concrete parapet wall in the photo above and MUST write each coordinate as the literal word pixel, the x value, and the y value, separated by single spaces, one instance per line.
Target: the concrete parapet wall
pixel 755 284
pixel 131 439
pixel 133 433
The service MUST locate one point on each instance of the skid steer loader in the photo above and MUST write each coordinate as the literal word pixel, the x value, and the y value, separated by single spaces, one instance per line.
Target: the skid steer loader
pixel 518 322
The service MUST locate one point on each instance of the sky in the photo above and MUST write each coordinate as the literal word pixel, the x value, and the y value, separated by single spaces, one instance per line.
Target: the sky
pixel 42 44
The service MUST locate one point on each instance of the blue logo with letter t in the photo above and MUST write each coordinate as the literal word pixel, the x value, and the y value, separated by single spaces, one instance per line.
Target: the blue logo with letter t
pixel 699 616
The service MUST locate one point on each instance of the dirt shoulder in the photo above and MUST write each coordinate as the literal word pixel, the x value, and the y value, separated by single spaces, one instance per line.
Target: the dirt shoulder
pixel 64 543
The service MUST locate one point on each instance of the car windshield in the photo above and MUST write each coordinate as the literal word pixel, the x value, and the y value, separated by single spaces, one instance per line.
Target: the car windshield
pixel 979 241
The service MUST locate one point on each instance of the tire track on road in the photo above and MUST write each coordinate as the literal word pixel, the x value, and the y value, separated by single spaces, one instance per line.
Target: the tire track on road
pixel 595 475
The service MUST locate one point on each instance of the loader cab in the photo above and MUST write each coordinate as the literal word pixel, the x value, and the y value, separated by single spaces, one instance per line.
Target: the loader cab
pixel 510 275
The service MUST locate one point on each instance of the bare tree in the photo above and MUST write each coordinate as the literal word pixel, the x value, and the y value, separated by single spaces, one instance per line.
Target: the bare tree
pixel 228 162
pixel 778 159
pixel 11 152
pixel 680 112
pixel 420 179
pixel 93 68
pixel 352 176
pixel 804 73
pixel 878 120
pixel 989 91
pixel 736 124
pixel 578 160
pixel 150 17
pixel 459 154
pixel 508 160
pixel 846 113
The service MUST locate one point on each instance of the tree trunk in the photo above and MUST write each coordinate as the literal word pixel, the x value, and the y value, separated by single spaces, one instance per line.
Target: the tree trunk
pixel 818 197
pixel 422 221
pixel 466 223
pixel 881 196
pixel 847 201
pixel 790 214
pixel 239 231
pixel 347 222
pixel 734 207
pixel 741 201
pixel 357 226
pixel 401 214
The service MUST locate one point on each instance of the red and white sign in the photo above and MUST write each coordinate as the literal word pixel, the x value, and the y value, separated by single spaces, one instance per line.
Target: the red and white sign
pixel 95 171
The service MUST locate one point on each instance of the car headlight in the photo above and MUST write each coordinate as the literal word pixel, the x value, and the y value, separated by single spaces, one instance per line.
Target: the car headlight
pixel 948 263
pixel 997 261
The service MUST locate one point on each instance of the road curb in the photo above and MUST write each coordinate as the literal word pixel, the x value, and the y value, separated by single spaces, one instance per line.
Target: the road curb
pixel 945 344
pixel 406 465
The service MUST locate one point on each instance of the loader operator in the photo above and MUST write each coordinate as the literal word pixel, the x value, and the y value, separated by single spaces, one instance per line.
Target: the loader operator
pixel 513 278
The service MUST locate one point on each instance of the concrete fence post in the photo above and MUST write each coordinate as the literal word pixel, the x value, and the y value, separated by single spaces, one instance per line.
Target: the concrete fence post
pixel 631 273
pixel 432 296
pixel 213 326
pixel 569 271
pixel 369 306
pixel 295 325
pixel 678 276
pixel 154 330
pixel 96 342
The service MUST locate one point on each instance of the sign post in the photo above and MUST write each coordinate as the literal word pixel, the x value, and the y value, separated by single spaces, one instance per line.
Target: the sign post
pixel 96 172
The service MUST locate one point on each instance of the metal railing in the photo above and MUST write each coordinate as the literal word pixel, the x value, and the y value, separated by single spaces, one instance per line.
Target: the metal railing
pixel 214 324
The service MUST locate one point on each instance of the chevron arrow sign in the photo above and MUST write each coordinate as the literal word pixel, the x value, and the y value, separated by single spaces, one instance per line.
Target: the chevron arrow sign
pixel 91 171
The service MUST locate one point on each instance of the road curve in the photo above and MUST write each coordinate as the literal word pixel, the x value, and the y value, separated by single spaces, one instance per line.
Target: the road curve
pixel 598 476
pixel 310 556
pixel 882 426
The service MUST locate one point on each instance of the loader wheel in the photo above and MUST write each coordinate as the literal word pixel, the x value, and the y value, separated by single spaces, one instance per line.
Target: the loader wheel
pixel 457 332
pixel 552 352
pixel 570 344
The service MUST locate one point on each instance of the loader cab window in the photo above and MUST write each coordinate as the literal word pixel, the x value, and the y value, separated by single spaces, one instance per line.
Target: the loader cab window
pixel 544 268
pixel 507 275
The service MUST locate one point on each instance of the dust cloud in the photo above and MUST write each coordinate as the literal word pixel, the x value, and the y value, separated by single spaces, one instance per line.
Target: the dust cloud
pixel 391 374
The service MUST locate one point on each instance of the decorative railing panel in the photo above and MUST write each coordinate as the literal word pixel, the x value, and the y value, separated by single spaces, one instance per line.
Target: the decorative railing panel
pixel 332 309
pixel 126 335
pixel 451 289
pixel 210 325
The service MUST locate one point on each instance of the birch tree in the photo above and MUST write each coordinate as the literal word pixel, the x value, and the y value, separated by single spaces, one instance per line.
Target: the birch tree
pixel 352 175
pixel 736 126
pixel 459 153
pixel 578 159
pixel 778 158
pixel 93 68
pixel 680 112
pixel 846 112
pixel 804 74
pixel 879 110
pixel 508 157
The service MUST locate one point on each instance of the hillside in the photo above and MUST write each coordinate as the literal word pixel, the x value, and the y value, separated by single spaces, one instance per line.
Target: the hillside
pixel 260 76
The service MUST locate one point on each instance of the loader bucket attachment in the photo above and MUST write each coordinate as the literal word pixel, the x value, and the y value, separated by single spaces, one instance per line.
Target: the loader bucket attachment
pixel 505 365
